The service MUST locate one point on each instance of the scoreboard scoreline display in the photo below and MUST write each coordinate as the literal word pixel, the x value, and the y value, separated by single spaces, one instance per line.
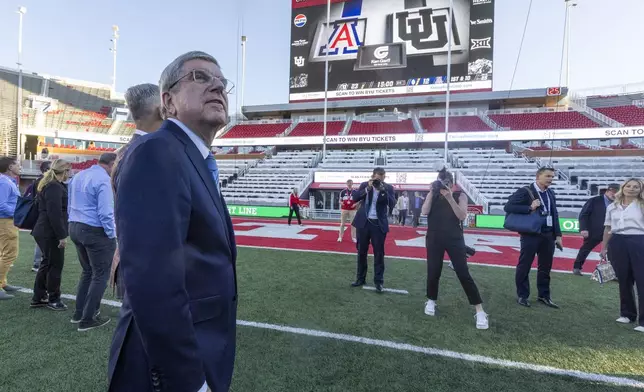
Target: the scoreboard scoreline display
pixel 382 48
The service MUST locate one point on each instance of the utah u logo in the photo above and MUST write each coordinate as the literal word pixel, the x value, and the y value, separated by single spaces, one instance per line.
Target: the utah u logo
pixel 424 30
pixel 299 61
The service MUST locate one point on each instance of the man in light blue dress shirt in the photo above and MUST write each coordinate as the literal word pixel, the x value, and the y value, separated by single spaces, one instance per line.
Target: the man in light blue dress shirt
pixel 91 228
pixel 9 172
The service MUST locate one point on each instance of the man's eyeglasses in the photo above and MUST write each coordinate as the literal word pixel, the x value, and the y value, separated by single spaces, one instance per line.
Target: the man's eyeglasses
pixel 202 77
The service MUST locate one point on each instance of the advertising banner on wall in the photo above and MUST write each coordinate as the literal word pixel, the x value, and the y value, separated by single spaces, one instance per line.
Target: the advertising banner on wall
pixel 389 47
pixel 393 178
pixel 434 137
pixel 258 211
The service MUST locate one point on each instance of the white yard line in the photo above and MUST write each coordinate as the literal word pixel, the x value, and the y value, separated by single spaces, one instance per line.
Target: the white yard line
pixel 386 290
pixel 594 377
pixel 333 252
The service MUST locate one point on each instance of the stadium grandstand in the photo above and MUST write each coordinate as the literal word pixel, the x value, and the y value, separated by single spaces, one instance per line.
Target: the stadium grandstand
pixel 276 148
pixel 410 86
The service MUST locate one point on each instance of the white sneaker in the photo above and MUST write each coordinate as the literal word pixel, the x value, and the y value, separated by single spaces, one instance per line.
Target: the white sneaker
pixel 481 320
pixel 639 329
pixel 430 307
pixel 339 239
pixel 623 320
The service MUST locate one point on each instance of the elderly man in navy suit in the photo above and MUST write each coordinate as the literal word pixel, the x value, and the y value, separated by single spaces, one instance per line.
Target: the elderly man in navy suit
pixel 377 199
pixel 177 245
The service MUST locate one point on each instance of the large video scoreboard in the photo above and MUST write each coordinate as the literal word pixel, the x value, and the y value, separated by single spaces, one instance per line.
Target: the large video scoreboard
pixel 389 47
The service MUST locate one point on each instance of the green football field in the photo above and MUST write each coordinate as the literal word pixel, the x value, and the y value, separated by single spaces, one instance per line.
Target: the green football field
pixel 302 328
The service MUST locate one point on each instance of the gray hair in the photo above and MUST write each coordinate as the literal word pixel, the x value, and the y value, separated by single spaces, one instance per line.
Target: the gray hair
pixel 143 100
pixel 106 158
pixel 173 71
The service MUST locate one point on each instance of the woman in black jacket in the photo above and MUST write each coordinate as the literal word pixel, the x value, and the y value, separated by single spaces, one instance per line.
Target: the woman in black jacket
pixel 50 232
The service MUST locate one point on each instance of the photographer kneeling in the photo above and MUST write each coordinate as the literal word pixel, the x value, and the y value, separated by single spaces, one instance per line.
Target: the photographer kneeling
pixel 445 212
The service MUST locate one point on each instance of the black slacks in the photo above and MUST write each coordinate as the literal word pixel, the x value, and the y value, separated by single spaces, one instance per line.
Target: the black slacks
pixel 542 245
pixel 589 244
pixel 50 270
pixel 626 253
pixel 416 219
pixel 437 243
pixel 372 233
pixel 294 210
pixel 402 217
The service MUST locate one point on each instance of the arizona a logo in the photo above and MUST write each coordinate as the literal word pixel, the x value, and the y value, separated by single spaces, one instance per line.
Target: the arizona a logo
pixel 346 36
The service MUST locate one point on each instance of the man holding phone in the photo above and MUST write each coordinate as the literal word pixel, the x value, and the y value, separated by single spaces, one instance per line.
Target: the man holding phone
pixel 540 198
pixel 377 199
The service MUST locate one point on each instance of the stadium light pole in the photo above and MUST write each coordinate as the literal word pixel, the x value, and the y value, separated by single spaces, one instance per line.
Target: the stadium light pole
pixel 243 74
pixel 21 12
pixel 569 5
pixel 115 37
pixel 326 77
pixel 449 75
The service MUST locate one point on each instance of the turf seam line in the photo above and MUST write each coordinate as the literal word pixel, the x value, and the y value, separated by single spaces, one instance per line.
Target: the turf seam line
pixel 594 377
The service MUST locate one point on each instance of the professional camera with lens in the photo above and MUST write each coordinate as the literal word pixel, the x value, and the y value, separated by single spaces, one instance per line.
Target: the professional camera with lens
pixel 376 183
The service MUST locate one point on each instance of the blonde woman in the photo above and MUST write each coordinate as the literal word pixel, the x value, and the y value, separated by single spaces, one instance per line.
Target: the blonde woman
pixel 624 243
pixel 50 232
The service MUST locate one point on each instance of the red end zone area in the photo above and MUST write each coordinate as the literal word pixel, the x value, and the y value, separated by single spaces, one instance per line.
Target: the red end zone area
pixel 494 247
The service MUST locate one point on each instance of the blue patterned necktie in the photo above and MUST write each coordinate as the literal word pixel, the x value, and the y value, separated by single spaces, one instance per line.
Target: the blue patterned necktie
pixel 214 170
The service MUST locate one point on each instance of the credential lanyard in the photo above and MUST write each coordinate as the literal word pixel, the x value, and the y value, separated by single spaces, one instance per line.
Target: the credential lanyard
pixel 546 207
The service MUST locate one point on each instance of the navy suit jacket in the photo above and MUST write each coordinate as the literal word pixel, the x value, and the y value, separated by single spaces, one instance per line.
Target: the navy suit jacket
pixel 178 253
pixel 385 202
pixel 592 217
pixel 520 201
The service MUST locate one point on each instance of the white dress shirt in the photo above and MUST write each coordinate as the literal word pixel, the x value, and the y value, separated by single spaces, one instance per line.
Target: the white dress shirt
pixel 201 145
pixel 625 220
pixel 204 150
pixel 373 213
pixel 405 203
pixel 140 132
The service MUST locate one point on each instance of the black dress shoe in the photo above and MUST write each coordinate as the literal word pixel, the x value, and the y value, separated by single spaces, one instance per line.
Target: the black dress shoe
pixel 56 306
pixel 357 283
pixel 379 288
pixel 39 304
pixel 523 302
pixel 548 302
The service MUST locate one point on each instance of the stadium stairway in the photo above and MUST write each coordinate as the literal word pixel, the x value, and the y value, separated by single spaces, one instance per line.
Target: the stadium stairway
pixel 592 114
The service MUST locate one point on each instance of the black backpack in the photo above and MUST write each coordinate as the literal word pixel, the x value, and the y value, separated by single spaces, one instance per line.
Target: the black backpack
pixel 26 213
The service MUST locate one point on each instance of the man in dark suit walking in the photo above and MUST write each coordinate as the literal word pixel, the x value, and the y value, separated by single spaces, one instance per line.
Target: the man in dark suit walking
pixel 537 197
pixel 177 245
pixel 144 103
pixel 377 199
pixel 591 224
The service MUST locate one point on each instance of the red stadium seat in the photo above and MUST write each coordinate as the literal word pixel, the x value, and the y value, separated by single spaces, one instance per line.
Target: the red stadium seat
pixel 333 128
pixel 456 124
pixel 255 130
pixel 379 128
pixel 549 120
pixel 627 115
